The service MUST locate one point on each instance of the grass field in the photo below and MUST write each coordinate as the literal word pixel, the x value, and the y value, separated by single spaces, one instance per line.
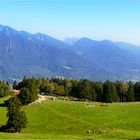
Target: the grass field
pixel 74 120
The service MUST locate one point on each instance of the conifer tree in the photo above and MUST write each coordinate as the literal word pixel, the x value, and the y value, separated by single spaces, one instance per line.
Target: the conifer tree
pixel 130 93
pixel 16 118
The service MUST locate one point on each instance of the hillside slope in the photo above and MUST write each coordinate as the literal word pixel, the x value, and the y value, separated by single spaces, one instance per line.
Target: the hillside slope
pixel 59 119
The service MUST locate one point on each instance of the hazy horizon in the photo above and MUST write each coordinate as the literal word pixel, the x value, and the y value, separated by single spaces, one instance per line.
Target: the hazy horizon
pixel 98 20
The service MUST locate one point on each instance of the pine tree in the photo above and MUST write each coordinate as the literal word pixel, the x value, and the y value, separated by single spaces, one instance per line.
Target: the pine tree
pixel 109 92
pixel 14 84
pixel 16 118
pixel 130 97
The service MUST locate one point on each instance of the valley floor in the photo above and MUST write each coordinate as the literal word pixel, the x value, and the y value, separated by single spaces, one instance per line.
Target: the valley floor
pixel 57 119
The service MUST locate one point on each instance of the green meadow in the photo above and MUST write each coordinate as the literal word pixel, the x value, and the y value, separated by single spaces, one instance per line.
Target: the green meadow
pixel 75 120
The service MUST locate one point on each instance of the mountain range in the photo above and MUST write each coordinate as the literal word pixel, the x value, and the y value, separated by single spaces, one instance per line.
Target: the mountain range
pixel 26 54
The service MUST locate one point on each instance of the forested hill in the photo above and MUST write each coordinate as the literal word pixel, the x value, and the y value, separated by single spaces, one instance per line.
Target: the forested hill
pixel 26 54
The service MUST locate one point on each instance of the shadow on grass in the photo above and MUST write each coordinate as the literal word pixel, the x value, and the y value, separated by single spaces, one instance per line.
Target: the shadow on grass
pixel 4 104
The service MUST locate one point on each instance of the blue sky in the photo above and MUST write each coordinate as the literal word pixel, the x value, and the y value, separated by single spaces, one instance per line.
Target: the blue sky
pixel 117 20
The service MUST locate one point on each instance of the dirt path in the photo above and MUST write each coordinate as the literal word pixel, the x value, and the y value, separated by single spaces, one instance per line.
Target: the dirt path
pixel 40 99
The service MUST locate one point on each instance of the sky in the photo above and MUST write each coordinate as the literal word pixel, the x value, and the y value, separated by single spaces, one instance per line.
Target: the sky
pixel 116 20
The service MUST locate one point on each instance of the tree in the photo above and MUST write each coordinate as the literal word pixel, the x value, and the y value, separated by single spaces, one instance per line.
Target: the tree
pixel 130 96
pixel 67 86
pixel 28 95
pixel 99 91
pixel 122 89
pixel 74 89
pixel 59 90
pixel 7 83
pixel 137 91
pixel 4 89
pixel 14 84
pixel 114 92
pixel 29 83
pixel 16 118
pixel 106 92
pixel 110 93
pixel 46 87
pixel 85 90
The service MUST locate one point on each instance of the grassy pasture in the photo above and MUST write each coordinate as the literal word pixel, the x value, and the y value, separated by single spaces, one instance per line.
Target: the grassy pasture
pixel 75 120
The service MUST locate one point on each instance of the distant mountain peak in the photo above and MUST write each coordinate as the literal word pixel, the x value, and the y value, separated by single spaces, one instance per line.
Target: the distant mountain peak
pixel 7 27
pixel 8 31
pixel 70 40
pixel 86 42
pixel 85 39
pixel 107 41
pixel 40 34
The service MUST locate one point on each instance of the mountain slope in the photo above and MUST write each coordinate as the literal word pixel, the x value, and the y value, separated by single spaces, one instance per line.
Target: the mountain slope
pixel 113 61
pixel 26 54
pixel 22 53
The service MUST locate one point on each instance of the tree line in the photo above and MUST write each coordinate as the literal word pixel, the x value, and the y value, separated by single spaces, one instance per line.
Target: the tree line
pixel 83 89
